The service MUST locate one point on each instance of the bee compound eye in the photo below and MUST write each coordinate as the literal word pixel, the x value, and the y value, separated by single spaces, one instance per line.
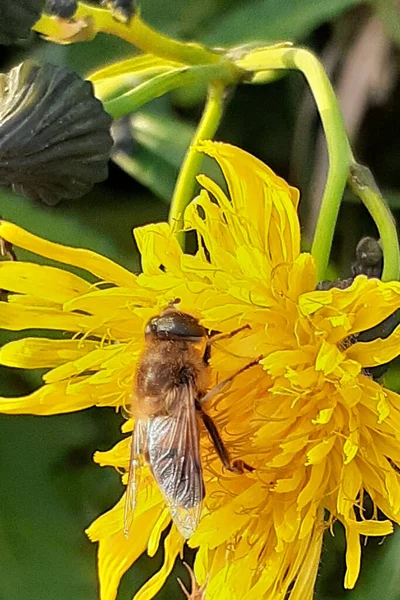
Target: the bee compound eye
pixel 175 325
pixel 151 326
pixel 180 325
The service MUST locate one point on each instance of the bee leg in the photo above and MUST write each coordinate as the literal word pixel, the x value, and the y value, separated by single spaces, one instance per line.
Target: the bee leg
pixel 216 337
pixel 207 354
pixel 219 387
pixel 236 466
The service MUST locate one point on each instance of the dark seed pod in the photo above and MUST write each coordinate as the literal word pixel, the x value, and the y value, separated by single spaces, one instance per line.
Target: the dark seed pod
pixel 122 10
pixel 17 19
pixel 65 9
pixel 55 138
pixel 369 258
pixel 342 284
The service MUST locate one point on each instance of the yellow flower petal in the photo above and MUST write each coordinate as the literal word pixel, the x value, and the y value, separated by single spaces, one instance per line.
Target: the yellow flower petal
pixel 350 486
pixel 317 432
pixel 173 546
pixel 378 301
pixel 353 556
pixel 371 528
pixel 117 553
pixel 377 352
pixel 48 400
pixel 38 280
pixel 320 451
pixel 308 564
pixel 158 247
pixel 90 360
pixel 154 541
pixel 117 456
pixel 18 317
pixel 328 359
pixel 100 266
pixel 312 487
pixel 38 353
pixel 270 218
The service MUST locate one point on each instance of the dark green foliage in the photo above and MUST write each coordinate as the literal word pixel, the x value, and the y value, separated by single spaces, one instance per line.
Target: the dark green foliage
pixel 17 18
pixel 55 138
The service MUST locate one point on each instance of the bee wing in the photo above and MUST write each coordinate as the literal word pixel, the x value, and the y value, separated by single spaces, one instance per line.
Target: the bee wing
pixel 174 457
pixel 136 462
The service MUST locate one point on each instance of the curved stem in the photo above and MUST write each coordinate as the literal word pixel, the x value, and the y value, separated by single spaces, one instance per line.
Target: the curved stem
pixel 161 84
pixel 363 185
pixel 339 150
pixel 136 32
pixel 186 181
pixel 342 165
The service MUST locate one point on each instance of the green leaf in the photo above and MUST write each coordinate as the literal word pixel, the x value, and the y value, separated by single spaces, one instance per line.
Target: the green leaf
pixel 138 64
pixel 273 20
pixel 50 491
pixel 159 142
pixel 101 221
pixel 379 576
pixel 380 571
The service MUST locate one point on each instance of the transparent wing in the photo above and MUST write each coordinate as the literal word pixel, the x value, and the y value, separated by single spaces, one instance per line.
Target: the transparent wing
pixel 136 462
pixel 174 457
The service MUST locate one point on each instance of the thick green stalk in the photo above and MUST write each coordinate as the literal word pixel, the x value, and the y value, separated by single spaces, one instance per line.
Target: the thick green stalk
pixel 161 84
pixel 363 185
pixel 186 182
pixel 342 165
pixel 338 145
pixel 138 33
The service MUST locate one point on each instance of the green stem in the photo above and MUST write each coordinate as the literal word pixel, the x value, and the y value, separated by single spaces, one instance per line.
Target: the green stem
pixel 138 33
pixel 363 185
pixel 186 182
pixel 339 150
pixel 342 165
pixel 161 84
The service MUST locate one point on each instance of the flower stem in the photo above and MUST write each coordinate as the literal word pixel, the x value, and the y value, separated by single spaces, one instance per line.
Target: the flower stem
pixel 161 84
pixel 186 181
pixel 339 150
pixel 136 32
pixel 342 165
pixel 363 185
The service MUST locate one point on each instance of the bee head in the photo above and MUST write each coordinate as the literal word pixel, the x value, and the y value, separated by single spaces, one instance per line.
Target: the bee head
pixel 173 324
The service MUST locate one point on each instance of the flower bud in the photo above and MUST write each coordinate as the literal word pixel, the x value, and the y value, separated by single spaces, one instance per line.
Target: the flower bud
pixel 55 138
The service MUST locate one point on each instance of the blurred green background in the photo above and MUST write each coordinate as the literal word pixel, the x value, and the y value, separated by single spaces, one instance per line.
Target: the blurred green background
pixel 49 488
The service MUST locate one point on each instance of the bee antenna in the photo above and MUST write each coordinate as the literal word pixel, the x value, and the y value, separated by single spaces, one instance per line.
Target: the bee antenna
pixel 171 303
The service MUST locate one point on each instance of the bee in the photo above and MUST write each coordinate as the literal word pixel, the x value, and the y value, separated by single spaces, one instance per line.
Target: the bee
pixel 171 384
pixel 122 10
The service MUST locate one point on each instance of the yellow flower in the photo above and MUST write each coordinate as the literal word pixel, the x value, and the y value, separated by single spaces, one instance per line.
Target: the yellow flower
pixel 317 430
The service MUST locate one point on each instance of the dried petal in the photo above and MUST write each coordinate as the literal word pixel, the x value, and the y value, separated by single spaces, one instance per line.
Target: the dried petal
pixel 17 19
pixel 55 136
